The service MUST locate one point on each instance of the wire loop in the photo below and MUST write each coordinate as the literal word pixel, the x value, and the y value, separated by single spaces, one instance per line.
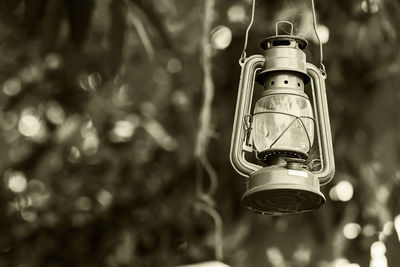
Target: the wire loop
pixel 242 59
pixel 323 70
pixel 281 22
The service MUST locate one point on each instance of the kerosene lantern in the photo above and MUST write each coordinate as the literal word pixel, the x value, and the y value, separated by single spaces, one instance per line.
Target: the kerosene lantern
pixel 276 145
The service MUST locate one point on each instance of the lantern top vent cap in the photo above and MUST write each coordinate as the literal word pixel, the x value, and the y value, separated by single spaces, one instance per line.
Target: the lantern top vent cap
pixel 283 40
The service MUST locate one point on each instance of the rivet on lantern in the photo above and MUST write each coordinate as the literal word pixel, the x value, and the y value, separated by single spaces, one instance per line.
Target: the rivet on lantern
pixel 286 133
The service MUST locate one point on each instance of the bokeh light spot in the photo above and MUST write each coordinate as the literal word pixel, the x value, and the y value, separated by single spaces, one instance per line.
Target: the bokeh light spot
pixel 37 186
pixel 23 201
pixel 221 37
pixel 87 129
pixel 12 86
pixel 124 129
pixel 29 125
pixel 372 8
pixel 161 76
pixel 351 230
pixel 180 99
pixel 323 33
pixel 31 73
pixel 341 262
pixel 343 191
pixel 74 154
pixel 378 248
pixel 369 230
pixel 17 181
pixel 104 198
pixel 91 140
pixel 378 258
pixel 388 228
pixel 397 225
pixel 174 65
pixel 53 61
pixel 302 256
pixel 94 80
pixel 275 256
pixel 236 13
pixel 382 194
pixel 38 193
pixel 55 113
pixel 83 203
pixel 91 144
pixel 148 109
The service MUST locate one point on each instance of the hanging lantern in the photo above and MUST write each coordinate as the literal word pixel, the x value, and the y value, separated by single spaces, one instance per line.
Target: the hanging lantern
pixel 284 147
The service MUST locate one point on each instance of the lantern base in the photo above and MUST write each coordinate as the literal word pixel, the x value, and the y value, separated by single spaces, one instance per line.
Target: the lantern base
pixel 280 191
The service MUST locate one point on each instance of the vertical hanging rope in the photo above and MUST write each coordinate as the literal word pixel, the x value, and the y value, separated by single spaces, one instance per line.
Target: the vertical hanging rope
pixel 206 203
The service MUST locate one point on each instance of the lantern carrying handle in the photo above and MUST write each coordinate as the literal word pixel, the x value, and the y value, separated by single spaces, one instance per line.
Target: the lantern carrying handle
pixel 283 22
pixel 327 171
pixel 245 94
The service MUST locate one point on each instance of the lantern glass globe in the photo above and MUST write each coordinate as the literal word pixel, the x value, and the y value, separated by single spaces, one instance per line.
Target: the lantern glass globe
pixel 283 124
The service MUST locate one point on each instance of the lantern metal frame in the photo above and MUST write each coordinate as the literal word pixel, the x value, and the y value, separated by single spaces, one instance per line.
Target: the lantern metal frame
pixel 280 178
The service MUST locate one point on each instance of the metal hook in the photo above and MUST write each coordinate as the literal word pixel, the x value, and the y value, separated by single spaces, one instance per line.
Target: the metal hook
pixel 323 71
pixel 283 22
pixel 242 59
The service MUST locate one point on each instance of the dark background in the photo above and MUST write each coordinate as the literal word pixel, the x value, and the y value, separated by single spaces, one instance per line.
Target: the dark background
pixel 99 118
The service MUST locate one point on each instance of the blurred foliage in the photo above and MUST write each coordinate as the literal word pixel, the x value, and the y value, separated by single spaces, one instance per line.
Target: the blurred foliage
pixel 99 115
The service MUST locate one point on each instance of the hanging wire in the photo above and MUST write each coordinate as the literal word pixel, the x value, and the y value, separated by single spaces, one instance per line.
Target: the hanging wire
pixel 243 56
pixel 321 52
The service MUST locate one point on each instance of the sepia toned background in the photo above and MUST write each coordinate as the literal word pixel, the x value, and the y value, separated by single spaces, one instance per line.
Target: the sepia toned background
pixel 111 110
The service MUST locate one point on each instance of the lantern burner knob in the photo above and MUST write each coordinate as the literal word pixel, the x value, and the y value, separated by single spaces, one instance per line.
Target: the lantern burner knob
pixel 295 164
